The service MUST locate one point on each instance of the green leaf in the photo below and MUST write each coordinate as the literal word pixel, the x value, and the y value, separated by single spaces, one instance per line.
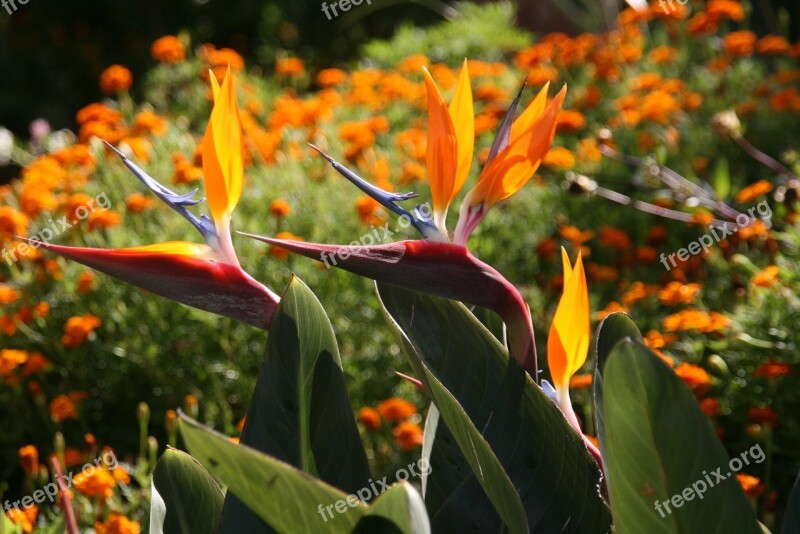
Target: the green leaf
pixel 398 510
pixel 185 497
pixel 285 498
pixel 722 179
pixel 791 520
pixel 611 330
pixel 300 412
pixel 531 465
pixel 658 444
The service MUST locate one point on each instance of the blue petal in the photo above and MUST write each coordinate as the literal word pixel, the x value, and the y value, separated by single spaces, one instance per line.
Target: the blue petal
pixel 550 391
pixel 175 201
pixel 422 223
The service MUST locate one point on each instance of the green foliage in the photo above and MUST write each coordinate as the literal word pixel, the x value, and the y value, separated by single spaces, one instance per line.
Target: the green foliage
pixel 185 499
pixel 472 33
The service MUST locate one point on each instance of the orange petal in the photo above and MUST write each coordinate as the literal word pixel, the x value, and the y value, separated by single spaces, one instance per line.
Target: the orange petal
pixel 222 153
pixel 514 165
pixel 441 151
pixel 531 113
pixel 462 112
pixel 568 342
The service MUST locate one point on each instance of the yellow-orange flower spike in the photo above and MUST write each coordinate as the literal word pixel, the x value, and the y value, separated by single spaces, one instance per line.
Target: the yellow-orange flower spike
pixel 451 139
pixel 223 167
pixel 531 136
pixel 568 342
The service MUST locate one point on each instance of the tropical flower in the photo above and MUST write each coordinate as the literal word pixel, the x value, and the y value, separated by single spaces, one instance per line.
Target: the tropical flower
pixel 204 276
pixel 437 265
pixel 568 342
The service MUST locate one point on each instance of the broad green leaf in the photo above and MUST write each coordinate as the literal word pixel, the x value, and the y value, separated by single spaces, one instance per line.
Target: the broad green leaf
pixel 300 412
pixel 492 322
pixel 659 447
pixel 285 498
pixel 452 494
pixel 791 519
pixel 611 330
pixel 192 501
pixel 398 510
pixel 531 465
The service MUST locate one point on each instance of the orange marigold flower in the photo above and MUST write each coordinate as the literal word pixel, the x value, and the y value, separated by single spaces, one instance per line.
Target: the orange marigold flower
pixel 753 191
pixel 766 277
pixel 574 235
pixel 722 9
pixel 370 418
pixel 370 212
pixel 280 208
pixel 407 435
pixel 656 340
pixel 35 364
pixel 120 475
pixel 580 381
pixel 659 106
pixel 773 369
pixel 710 407
pixel 278 252
pixel 10 359
pixel 8 295
pixel 396 409
pixel 29 459
pixel 611 307
pixel 751 485
pixel 117 524
pixel 614 238
pixel 290 66
pixel 168 49
pixel 97 483
pixel 62 407
pixel 147 122
pixel 764 415
pixel 676 293
pixel 115 78
pixel 104 219
pixel 739 43
pixel 694 376
pixel 772 44
pixel 559 157
pixel 24 517
pixel 137 202
pixel 185 172
pixel 12 223
pixel 78 328
pixel 331 77
pixel 85 282
pixel 638 291
pixel 570 120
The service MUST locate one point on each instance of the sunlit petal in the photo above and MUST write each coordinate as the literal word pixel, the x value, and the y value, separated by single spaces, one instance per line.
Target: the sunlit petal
pixel 462 112
pixel 568 342
pixel 441 154
pixel 222 154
